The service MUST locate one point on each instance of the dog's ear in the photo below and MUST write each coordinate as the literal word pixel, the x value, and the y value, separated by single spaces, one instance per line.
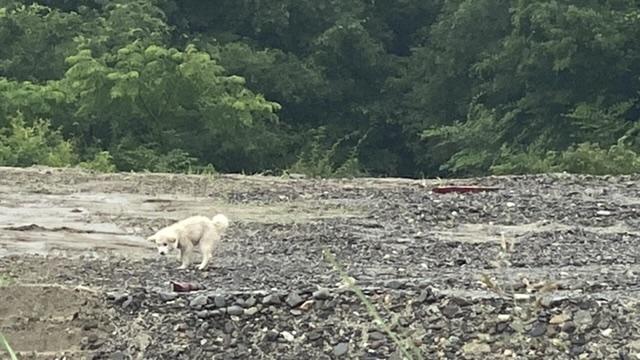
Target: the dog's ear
pixel 151 239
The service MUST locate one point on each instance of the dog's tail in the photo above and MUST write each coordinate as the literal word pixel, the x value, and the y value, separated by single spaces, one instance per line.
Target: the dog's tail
pixel 221 222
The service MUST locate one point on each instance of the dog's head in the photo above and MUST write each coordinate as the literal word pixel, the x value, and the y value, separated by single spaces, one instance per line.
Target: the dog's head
pixel 164 242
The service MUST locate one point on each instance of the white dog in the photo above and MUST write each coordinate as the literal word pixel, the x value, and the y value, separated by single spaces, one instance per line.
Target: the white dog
pixel 185 234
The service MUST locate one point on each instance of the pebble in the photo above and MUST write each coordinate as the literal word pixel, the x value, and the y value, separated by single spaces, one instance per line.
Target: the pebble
pixel 582 317
pixel 118 355
pixel 634 346
pixel 322 294
pixel 199 301
pixel 538 329
pixel 552 300
pixel 167 296
pixel 250 302
pixel 251 311
pixel 559 319
pixel 235 310
pixel 341 349
pixel 220 301
pixel 271 335
pixel 450 310
pixel 314 335
pixel 293 299
pixel 271 300
pixel 203 314
pixel 287 336
pixel 569 327
pixel 476 348
pixel 521 297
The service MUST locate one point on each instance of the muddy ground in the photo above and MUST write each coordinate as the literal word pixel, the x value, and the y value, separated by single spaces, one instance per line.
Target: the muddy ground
pixel 546 267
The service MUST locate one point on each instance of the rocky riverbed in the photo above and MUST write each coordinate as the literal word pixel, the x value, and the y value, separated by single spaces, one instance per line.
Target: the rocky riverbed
pixel 541 267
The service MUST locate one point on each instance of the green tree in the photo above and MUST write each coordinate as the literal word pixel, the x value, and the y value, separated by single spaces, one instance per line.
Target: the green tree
pixel 166 99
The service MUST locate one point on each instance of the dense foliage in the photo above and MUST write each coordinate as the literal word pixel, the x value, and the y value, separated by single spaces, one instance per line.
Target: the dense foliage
pixel 324 87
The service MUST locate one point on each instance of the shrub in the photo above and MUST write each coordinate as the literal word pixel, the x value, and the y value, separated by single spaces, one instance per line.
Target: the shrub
pixel 102 162
pixel 25 145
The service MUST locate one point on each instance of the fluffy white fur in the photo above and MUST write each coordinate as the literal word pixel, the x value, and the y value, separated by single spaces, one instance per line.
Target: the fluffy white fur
pixel 186 234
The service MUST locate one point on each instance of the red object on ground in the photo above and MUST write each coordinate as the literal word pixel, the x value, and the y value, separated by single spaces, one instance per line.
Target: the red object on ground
pixel 185 286
pixel 462 189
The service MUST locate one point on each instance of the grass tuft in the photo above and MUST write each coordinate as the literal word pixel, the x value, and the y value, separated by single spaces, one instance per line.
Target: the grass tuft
pixel 4 344
pixel 406 346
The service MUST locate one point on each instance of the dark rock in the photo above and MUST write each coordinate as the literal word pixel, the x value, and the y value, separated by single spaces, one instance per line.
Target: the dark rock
pixel 450 310
pixel 538 329
pixel 576 350
pixel 271 335
pixel 568 327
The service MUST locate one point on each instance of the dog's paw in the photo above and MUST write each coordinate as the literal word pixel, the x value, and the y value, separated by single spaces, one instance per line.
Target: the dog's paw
pixel 182 267
pixel 202 267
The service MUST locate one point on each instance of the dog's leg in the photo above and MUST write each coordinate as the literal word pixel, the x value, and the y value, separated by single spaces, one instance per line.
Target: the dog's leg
pixel 185 256
pixel 206 247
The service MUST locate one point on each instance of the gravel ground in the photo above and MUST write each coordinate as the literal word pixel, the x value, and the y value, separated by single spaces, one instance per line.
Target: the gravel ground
pixel 544 267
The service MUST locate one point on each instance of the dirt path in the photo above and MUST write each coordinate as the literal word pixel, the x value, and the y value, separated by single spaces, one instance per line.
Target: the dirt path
pixel 434 265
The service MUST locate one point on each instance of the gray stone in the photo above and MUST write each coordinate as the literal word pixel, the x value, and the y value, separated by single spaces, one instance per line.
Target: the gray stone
pixel 582 318
pixel 271 335
pixel 235 310
pixel 250 302
pixel 271 300
pixel 293 299
pixel 220 301
pixel 538 329
pixel 203 314
pixel 568 327
pixel 168 296
pixel 476 348
pixel 322 294
pixel 341 349
pixel 199 301
pixel 251 311
pixel 450 310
